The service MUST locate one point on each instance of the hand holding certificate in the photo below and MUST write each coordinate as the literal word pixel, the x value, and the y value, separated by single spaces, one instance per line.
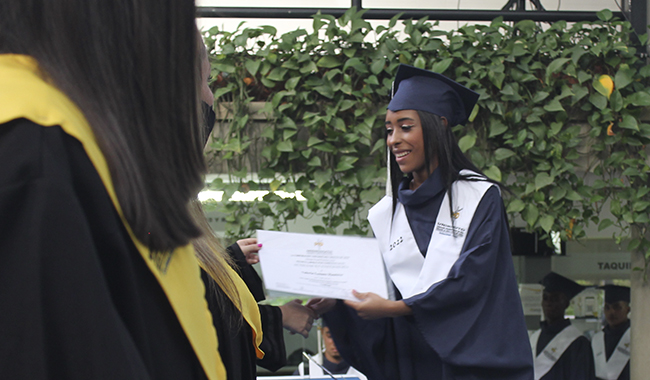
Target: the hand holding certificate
pixel 321 265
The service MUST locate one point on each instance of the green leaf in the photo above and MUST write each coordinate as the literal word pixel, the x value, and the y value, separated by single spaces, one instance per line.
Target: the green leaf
pixel 639 99
pixel 372 80
pixel 604 223
pixel 420 62
pixel 546 222
pixel 224 67
pixel 377 65
pixel 356 63
pixel 530 214
pixel 322 177
pixel 598 100
pixel 441 66
pixel 539 96
pixel 616 101
pixel 288 133
pixel 629 122
pixel 623 78
pixel 379 144
pixel 221 92
pixel 556 66
pixel 634 244
pixel 542 180
pixel 497 127
pixel 252 66
pixel 328 61
pixel 291 83
pixel 493 173
pixel 275 185
pixel 503 153
pixel 315 161
pixel 474 113
pixel 285 146
pixel 554 106
pixel 605 15
pixel 277 74
pixel 466 142
pixel 309 67
pixel 393 20
pixel 313 140
pixel 338 124
pixel 515 206
pixel 327 147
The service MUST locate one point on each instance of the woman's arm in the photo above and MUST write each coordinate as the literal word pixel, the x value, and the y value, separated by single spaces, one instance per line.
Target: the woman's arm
pixel 373 306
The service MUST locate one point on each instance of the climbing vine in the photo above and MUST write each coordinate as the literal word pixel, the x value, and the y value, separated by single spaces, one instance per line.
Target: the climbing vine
pixel 559 119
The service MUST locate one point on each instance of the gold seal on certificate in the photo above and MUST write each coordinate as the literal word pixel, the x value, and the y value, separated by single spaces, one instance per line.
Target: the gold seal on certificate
pixel 328 266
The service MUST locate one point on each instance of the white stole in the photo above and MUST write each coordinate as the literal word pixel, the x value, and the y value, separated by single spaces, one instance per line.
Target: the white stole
pixel 610 369
pixel 553 350
pixel 412 273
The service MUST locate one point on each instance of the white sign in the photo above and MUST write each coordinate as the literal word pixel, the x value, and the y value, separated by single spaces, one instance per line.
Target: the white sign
pixel 321 265
pixel 531 298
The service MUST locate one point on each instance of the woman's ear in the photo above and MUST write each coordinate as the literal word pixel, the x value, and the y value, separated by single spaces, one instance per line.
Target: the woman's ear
pixel 444 121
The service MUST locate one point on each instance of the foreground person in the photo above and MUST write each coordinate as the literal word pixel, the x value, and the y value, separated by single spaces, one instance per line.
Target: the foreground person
pixel 101 151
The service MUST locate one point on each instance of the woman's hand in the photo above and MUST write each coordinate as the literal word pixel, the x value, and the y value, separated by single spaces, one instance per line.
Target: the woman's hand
pixel 321 305
pixel 297 318
pixel 372 306
pixel 250 248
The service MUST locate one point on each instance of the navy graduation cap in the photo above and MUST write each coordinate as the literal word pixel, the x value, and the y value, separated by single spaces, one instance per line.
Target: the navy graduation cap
pixel 615 293
pixel 423 90
pixel 553 283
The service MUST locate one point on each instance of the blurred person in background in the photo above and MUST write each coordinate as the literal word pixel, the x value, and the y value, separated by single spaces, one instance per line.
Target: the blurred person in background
pixel 561 351
pixel 611 346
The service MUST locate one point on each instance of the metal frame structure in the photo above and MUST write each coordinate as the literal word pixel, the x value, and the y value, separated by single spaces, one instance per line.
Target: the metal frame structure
pixel 514 10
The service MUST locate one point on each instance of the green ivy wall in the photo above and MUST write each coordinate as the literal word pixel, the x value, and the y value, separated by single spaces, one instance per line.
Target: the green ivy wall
pixel 559 119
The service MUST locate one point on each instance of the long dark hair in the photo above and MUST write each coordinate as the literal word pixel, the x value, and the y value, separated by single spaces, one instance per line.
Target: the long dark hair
pixel 440 142
pixel 130 66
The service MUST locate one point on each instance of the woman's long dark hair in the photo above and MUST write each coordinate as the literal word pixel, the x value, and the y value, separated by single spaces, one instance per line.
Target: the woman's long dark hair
pixel 439 141
pixel 130 66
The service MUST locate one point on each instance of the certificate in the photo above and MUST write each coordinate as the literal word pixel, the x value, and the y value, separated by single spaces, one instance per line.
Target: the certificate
pixel 321 265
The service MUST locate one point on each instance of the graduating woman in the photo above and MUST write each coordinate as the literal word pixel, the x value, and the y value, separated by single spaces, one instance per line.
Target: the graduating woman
pixel 101 150
pixel 445 243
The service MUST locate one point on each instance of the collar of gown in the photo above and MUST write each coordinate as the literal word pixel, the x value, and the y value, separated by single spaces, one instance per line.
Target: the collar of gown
pixel 555 328
pixel 618 330
pixel 429 189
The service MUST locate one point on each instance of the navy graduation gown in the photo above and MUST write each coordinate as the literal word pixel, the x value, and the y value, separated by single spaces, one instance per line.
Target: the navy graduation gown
pixel 576 363
pixel 465 327
pixel 612 337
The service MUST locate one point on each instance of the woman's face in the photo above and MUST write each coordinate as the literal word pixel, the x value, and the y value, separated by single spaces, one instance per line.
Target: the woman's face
pixel 405 141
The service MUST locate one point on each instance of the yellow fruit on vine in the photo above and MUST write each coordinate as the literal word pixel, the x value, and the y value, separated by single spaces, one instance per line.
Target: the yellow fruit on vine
pixel 608 83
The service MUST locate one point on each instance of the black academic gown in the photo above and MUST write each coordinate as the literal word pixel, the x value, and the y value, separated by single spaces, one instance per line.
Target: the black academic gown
pixel 275 356
pixel 612 337
pixel 576 363
pixel 77 299
pixel 469 326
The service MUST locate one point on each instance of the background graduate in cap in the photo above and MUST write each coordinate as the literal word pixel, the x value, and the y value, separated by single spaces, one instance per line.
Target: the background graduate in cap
pixel 444 239
pixel 561 351
pixel 611 346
